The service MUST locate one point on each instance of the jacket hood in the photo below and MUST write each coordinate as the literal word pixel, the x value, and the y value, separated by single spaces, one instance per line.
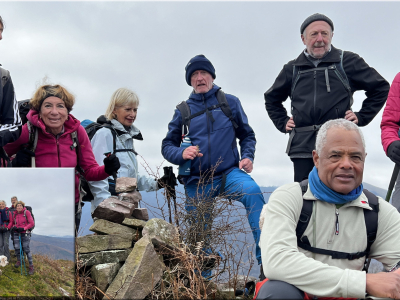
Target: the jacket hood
pixel 70 125
pixel 332 56
pixel 207 95
pixel 133 131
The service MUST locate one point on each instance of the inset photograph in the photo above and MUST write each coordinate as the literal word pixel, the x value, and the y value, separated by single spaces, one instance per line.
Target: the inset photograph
pixel 37 232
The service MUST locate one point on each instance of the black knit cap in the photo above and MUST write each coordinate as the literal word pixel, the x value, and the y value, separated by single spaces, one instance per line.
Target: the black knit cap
pixel 199 62
pixel 313 18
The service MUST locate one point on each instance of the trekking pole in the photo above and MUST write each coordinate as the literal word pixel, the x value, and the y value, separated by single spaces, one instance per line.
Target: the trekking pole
pixel 21 255
pixel 8 277
pixel 171 192
pixel 392 181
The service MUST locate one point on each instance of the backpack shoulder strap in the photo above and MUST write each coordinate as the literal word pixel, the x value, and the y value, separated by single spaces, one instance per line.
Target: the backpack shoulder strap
pixel 114 134
pixel 371 218
pixel 306 211
pixel 185 113
pixel 295 76
pixel 343 77
pixel 33 139
pixel 75 145
pixel 5 75
pixel 225 107
pixel 33 136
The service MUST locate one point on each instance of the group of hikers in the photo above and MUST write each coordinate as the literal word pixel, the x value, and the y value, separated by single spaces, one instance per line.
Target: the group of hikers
pixel 16 221
pixel 318 231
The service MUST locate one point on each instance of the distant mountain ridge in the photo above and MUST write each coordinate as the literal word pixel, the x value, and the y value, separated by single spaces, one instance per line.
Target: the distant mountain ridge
pixel 54 247
pixel 150 201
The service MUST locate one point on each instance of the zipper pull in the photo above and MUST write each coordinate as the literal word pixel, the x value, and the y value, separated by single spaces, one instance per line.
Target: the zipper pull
pixel 337 222
pixel 315 72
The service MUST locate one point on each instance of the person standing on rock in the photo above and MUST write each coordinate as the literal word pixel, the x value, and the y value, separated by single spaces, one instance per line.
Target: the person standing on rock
pixel 119 117
pixel 390 128
pixel 216 166
pixel 10 121
pixel 320 83
pixel 20 224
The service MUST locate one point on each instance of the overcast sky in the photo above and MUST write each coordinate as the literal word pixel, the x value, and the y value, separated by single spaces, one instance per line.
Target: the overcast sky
pixel 93 48
pixel 50 193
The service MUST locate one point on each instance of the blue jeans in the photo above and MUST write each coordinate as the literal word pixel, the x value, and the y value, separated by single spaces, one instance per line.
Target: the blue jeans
pixel 25 240
pixel 238 186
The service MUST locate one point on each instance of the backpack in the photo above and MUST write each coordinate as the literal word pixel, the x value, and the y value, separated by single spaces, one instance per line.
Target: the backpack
pixel 33 217
pixel 187 116
pixel 24 107
pixel 5 76
pixel 371 223
pixel 338 69
pixel 91 128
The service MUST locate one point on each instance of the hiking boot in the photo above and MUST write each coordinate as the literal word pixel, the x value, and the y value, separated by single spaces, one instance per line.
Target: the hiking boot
pixel 31 270
pixel 17 264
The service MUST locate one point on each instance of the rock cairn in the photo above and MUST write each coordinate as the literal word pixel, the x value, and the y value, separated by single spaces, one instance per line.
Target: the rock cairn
pixel 123 254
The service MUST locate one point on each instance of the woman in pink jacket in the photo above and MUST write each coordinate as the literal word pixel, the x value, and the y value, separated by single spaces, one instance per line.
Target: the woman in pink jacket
pixel 61 141
pixel 20 224
pixel 390 126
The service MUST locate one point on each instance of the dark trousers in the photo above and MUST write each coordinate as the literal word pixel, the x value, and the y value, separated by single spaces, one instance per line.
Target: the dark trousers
pixel 302 167
pixel 275 289
pixel 25 241
pixel 78 216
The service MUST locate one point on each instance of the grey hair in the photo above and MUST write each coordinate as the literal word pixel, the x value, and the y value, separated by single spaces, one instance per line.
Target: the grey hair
pixel 337 123
pixel 2 201
pixel 14 197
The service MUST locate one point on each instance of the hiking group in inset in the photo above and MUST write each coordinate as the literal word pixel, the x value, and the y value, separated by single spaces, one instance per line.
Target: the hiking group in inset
pixel 18 222
pixel 316 236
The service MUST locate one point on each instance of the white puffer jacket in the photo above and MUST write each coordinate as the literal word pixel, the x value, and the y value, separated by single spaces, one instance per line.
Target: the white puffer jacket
pixel 102 142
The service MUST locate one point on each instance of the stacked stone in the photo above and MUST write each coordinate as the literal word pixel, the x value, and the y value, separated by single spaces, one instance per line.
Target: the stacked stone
pixel 123 254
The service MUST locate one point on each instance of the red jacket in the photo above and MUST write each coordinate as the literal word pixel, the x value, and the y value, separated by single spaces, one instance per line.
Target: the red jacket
pixel 56 153
pixel 390 124
pixel 18 220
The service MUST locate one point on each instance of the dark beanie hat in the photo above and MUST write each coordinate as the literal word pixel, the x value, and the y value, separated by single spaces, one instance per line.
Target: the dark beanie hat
pixel 313 18
pixel 199 62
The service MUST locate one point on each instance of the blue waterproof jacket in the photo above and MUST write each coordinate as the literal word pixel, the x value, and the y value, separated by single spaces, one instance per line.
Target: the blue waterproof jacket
pixel 216 140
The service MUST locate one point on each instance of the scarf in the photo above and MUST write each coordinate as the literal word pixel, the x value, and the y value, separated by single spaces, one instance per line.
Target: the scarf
pixel 322 192
pixel 3 216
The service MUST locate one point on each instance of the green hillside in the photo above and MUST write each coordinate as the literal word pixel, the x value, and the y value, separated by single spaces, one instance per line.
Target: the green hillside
pixel 49 276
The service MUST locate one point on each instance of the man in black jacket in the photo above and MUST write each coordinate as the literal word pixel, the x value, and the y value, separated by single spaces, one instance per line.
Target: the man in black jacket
pixel 320 83
pixel 10 121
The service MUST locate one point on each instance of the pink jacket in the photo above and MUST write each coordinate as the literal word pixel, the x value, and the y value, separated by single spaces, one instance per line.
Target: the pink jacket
pixel 391 115
pixel 18 220
pixel 56 153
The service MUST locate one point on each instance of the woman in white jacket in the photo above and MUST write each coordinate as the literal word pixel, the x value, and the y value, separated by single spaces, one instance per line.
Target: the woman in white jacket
pixel 120 115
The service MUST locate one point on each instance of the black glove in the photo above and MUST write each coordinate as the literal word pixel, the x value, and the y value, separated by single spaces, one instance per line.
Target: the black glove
pixel 20 229
pixel 111 164
pixel 14 228
pixel 394 152
pixel 2 229
pixel 23 158
pixel 163 181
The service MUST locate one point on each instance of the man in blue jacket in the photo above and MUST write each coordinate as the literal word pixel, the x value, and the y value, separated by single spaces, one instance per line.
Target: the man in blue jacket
pixel 216 167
